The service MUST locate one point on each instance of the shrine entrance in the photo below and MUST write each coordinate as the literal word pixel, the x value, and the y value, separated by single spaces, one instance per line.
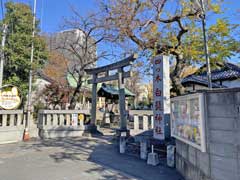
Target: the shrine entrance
pixel 103 74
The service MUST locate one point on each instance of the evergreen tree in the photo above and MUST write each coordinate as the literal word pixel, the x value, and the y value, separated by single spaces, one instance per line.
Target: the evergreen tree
pixel 19 18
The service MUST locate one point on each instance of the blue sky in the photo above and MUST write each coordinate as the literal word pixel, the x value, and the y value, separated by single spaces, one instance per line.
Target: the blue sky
pixel 52 12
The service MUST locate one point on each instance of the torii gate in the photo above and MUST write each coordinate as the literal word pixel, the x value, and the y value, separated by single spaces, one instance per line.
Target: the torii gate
pixel 120 75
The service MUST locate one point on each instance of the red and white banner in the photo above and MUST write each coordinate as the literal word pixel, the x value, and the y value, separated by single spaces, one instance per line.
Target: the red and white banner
pixel 161 94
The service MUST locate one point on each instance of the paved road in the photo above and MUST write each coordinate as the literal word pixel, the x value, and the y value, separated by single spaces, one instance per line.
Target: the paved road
pixel 75 159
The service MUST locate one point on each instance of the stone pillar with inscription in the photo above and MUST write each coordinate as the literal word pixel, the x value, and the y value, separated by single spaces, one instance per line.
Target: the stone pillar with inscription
pixel 161 94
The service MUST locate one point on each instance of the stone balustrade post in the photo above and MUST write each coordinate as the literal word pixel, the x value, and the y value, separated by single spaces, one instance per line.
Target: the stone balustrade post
pixel 136 122
pixel 145 122
pixel 55 120
pixel 4 118
pixel 11 120
pixel 152 122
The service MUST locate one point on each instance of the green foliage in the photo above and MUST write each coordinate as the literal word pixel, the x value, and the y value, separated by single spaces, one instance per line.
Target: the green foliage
pixel 172 28
pixel 17 50
pixel 222 43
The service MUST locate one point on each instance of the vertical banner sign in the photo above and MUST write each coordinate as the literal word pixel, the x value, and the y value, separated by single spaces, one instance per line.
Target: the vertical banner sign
pixel 161 94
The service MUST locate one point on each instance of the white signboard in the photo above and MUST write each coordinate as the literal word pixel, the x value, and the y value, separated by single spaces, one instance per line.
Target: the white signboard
pixel 74 119
pixel 187 120
pixel 161 94
pixel 10 97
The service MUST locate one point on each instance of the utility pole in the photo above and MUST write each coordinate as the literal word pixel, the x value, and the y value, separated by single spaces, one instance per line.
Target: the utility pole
pixel 29 99
pixel 200 5
pixel 203 17
pixel 2 53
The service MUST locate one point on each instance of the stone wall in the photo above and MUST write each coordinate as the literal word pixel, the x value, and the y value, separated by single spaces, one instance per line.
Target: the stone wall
pixel 221 161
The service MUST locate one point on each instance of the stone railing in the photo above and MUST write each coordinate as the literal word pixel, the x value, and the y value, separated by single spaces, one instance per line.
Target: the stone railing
pixel 140 121
pixel 12 125
pixel 61 123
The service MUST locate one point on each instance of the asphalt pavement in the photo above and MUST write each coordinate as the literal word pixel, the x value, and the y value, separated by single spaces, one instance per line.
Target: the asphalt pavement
pixel 82 158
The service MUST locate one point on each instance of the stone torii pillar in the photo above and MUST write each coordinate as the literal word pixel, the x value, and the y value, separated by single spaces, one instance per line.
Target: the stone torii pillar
pixel 122 106
pixel 120 75
pixel 94 100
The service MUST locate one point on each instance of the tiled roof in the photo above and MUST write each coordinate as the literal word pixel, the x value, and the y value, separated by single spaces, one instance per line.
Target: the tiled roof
pixel 110 90
pixel 44 76
pixel 199 80
pixel 228 72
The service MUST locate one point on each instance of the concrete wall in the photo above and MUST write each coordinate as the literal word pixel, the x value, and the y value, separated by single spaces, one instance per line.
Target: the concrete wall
pixel 221 161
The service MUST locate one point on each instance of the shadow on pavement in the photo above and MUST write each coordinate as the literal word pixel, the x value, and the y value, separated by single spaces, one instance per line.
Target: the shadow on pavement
pixel 102 151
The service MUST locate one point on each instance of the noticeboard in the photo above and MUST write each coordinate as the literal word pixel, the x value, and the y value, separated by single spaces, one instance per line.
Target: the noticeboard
pixel 188 121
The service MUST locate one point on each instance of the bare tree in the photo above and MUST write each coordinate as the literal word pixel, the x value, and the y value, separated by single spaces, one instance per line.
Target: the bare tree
pixel 79 45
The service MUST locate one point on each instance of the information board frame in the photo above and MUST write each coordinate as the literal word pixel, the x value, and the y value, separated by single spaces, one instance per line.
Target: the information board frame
pixel 202 120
